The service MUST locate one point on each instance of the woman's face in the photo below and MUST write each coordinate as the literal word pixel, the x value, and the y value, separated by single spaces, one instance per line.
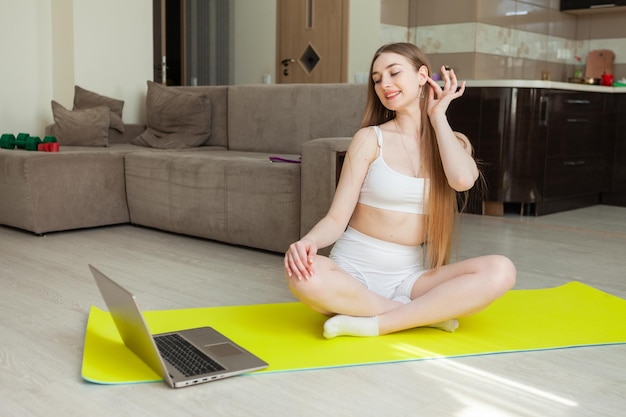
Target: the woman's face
pixel 396 81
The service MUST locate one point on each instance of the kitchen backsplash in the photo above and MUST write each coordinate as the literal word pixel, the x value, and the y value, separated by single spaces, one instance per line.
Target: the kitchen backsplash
pixel 507 39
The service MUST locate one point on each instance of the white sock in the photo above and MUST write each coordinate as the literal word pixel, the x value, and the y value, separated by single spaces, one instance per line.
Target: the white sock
pixel 350 326
pixel 446 325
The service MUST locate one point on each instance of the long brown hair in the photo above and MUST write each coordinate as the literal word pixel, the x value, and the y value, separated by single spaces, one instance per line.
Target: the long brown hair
pixel 442 203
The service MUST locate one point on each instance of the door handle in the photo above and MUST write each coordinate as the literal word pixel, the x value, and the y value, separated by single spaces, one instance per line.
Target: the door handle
pixel 543 110
pixel 571 101
pixel 164 70
pixel 286 63
pixel 573 163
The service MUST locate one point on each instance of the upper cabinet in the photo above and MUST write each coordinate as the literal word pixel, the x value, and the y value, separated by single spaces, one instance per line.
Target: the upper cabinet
pixel 592 6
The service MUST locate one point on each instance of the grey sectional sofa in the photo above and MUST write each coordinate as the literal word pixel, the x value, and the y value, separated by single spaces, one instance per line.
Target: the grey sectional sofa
pixel 228 189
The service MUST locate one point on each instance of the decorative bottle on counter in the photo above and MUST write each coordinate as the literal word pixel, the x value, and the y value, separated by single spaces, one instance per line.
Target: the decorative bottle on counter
pixel 578 69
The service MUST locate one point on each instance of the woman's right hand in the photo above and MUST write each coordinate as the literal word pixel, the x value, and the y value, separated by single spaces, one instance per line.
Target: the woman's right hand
pixel 299 259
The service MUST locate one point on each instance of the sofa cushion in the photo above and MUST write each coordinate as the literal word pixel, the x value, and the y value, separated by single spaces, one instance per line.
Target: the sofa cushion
pixel 235 197
pixel 45 192
pixel 175 118
pixel 218 96
pixel 180 192
pixel 85 99
pixel 262 201
pixel 87 127
pixel 280 118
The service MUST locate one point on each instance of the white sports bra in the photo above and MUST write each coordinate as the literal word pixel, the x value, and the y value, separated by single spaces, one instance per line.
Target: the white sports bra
pixel 387 189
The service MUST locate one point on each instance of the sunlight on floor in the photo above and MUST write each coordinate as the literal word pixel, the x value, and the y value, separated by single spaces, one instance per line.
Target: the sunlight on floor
pixel 466 385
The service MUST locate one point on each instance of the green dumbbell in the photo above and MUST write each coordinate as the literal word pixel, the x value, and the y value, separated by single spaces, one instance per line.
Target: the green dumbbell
pixel 20 140
pixel 7 141
pixel 27 142
pixel 21 137
pixel 32 143
pixel 49 139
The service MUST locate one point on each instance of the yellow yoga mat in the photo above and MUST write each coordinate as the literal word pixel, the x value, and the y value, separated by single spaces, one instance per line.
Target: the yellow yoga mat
pixel 289 335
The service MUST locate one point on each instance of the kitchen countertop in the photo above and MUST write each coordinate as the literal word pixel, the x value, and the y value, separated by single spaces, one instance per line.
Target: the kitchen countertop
pixel 558 85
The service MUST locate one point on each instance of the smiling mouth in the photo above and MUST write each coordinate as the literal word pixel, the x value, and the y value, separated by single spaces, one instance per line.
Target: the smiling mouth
pixel 390 96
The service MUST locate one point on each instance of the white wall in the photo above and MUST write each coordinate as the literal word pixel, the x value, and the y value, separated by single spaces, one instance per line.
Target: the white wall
pixel 113 50
pixel 63 52
pixel 48 46
pixel 254 41
pixel 25 76
pixel 365 36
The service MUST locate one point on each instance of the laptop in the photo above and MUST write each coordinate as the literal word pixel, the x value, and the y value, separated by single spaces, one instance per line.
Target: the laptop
pixel 182 358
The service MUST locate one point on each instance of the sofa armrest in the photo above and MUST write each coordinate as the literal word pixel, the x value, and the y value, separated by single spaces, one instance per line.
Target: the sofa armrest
pixel 321 165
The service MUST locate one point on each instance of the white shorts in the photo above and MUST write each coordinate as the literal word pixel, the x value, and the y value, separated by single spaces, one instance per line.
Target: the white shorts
pixel 386 268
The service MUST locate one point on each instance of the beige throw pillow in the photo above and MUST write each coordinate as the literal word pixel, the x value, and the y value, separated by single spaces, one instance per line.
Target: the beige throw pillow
pixel 176 119
pixel 85 99
pixel 88 127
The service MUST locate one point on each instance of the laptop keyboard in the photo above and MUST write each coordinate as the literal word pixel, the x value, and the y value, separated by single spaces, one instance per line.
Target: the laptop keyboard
pixel 184 356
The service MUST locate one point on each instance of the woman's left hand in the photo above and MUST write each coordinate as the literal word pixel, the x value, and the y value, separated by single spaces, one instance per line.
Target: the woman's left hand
pixel 440 98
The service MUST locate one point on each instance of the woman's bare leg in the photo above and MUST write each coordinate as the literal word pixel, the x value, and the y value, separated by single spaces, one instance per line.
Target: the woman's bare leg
pixel 331 290
pixel 454 290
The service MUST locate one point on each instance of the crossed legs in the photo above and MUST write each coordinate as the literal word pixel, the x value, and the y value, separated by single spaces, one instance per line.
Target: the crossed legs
pixel 455 290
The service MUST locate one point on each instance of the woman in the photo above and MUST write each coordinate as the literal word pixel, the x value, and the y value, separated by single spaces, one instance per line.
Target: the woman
pixel 393 213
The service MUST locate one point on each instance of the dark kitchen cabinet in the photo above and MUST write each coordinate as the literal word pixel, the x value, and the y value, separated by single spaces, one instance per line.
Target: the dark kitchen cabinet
pixel 576 153
pixel 617 193
pixel 590 5
pixel 542 149
pixel 464 115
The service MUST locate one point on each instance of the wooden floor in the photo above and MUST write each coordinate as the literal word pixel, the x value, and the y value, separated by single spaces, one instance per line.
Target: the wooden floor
pixel 46 291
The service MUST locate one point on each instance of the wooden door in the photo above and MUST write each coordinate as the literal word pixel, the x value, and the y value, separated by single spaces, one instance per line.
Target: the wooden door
pixel 312 41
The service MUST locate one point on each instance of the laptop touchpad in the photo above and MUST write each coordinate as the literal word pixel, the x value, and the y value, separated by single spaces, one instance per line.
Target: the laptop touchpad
pixel 224 349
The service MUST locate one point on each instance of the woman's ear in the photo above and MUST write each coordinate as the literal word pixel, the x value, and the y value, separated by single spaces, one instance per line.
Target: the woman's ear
pixel 423 74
